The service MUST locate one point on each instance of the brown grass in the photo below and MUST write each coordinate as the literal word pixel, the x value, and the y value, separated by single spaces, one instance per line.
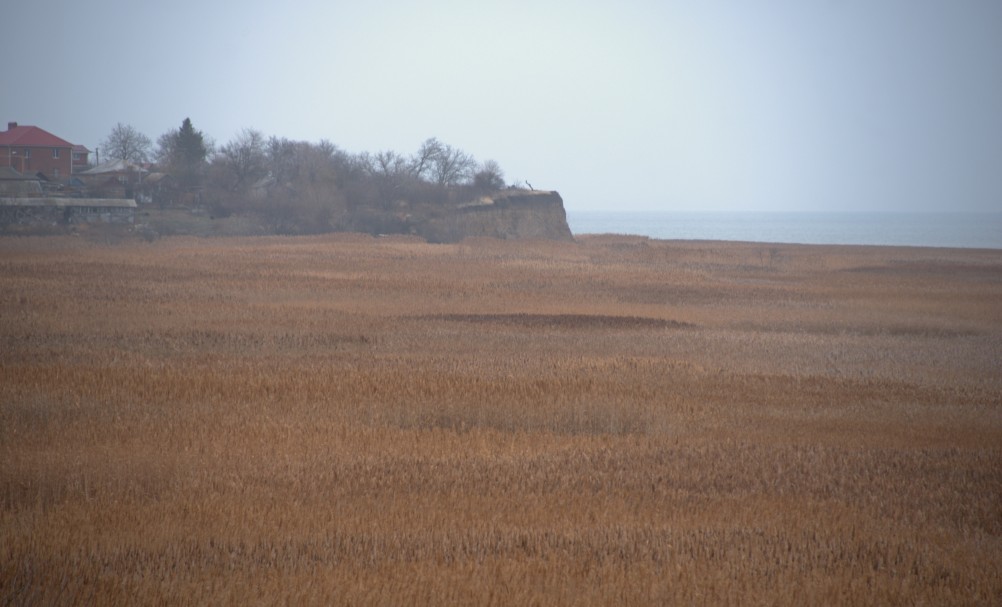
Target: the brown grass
pixel 347 420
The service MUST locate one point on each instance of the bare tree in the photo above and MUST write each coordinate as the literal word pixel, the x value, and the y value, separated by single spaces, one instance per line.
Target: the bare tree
pixel 315 162
pixel 421 162
pixel 244 158
pixel 317 185
pixel 282 158
pixel 451 166
pixel 126 143
pixel 489 176
pixel 309 200
pixel 327 148
pixel 389 164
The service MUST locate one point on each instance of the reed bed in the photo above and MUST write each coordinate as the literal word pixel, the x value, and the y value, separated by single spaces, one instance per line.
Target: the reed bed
pixel 350 420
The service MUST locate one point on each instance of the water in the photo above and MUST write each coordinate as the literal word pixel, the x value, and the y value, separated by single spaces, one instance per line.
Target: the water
pixel 965 230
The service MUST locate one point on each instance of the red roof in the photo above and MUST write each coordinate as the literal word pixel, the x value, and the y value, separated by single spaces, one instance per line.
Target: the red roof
pixel 32 136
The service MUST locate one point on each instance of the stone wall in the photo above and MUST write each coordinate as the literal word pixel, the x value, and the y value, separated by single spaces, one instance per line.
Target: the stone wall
pixel 54 211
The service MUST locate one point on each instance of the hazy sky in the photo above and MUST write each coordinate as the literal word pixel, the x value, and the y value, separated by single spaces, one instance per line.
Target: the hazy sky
pixel 627 105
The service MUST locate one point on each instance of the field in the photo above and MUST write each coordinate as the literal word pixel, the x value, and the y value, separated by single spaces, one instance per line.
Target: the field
pixel 352 420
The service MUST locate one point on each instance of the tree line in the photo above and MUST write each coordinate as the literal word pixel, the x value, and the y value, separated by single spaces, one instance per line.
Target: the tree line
pixel 301 186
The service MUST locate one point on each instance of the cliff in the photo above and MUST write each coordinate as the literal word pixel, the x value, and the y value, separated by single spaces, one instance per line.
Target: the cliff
pixel 508 215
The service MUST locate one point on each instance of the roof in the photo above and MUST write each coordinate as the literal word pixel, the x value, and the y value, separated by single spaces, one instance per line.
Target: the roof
pixel 32 136
pixel 153 178
pixel 266 181
pixel 10 173
pixel 81 148
pixel 113 166
pixel 20 188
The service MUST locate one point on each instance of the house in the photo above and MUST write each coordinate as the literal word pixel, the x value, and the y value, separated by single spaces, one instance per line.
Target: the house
pixel 17 185
pixel 114 179
pixel 29 201
pixel 81 159
pixel 160 188
pixel 30 150
pixel 24 202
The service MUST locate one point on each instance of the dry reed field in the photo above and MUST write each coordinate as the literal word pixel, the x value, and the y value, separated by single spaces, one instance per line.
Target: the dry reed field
pixel 351 420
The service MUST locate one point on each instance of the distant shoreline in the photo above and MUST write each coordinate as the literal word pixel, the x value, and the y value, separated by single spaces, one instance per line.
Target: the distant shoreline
pixel 938 230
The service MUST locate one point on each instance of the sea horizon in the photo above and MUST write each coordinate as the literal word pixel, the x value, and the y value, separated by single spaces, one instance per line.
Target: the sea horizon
pixel 978 230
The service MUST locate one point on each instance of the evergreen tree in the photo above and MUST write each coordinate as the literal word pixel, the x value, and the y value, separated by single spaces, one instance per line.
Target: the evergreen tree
pixel 183 153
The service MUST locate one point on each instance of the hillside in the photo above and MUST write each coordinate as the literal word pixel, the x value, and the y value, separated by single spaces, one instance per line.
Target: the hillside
pixel 508 215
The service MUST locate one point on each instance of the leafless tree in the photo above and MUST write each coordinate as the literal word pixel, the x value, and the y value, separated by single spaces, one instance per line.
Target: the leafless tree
pixel 327 148
pixel 315 163
pixel 389 164
pixel 126 143
pixel 421 162
pixel 282 158
pixel 489 176
pixel 452 166
pixel 244 158
pixel 310 201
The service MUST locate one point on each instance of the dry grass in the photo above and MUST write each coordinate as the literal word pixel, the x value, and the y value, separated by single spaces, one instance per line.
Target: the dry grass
pixel 346 420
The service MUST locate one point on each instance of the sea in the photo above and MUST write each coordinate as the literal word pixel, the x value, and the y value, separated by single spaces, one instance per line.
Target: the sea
pixel 959 230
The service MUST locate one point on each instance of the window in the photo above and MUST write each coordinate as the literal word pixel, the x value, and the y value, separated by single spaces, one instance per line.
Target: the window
pixel 27 152
pixel 55 172
pixel 77 156
pixel 55 152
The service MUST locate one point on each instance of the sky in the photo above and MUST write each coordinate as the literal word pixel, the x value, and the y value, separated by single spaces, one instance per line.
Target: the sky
pixel 634 105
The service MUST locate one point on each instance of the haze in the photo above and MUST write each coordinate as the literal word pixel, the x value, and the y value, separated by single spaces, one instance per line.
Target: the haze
pixel 709 105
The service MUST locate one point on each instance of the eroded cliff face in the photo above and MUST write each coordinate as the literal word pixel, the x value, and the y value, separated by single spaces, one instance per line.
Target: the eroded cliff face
pixel 506 215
